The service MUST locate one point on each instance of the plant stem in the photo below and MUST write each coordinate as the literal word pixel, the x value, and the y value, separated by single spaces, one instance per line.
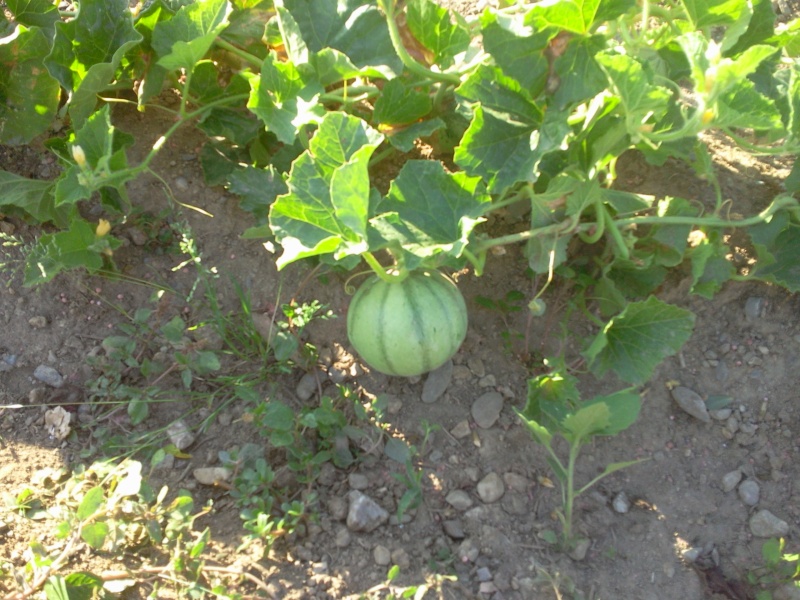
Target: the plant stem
pixel 245 56
pixel 412 65
pixel 381 272
pixel 569 225
pixel 569 501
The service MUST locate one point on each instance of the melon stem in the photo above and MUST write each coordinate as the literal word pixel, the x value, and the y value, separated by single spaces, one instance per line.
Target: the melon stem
pixel 394 275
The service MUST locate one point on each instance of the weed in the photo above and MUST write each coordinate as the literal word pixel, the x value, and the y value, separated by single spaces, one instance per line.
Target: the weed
pixel 781 568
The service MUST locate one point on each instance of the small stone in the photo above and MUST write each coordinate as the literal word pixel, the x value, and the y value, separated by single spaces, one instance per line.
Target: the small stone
pixel 487 408
pixel 337 507
pixel 459 499
pixel 381 555
pixel 358 481
pixel 491 488
pixel 766 525
pixel 365 514
pixel 437 382
pixel 691 402
pixel 468 551
pixel 181 183
pixel 516 482
pixel 483 574
pixel 37 395
pixel 722 414
pixel 342 538
pixel 621 504
pixel 38 322
pixel 581 548
pixel 212 475
pixel 461 430
pixel 454 529
pixel 489 381
pixel 401 558
pixel 137 236
pixel 476 365
pixel 49 376
pixel 731 480
pixel 487 587
pixel 180 434
pixel 749 492
pixel 306 387
pixel 754 308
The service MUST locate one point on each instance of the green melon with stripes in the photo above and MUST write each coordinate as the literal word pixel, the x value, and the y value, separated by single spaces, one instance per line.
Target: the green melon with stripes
pixel 408 327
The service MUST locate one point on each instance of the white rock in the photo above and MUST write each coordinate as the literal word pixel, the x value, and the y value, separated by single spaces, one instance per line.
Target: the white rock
pixel 212 475
pixel 487 408
pixel 691 403
pixel 766 525
pixel 491 488
pixel 180 434
pixel 437 382
pixel 459 499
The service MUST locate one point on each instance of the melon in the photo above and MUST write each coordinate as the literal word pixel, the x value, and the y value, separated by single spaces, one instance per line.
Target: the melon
pixel 407 327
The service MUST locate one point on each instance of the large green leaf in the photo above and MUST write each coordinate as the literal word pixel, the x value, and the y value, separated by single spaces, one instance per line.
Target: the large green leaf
pixel 708 13
pixel 184 40
pixel 433 27
pixel 587 421
pixel 576 16
pixel 32 196
pixel 327 206
pixel 87 51
pixel 401 104
pixel 34 13
pixel 28 94
pixel 354 27
pixel 777 243
pixel 428 211
pixel 517 49
pixel 634 342
pixel 623 410
pixel 284 99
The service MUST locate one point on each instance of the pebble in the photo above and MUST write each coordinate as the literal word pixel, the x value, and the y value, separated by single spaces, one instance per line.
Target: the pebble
pixel 7 362
pixel 581 548
pixel 401 558
pixel 487 408
pixel 459 499
pixel 181 183
pixel 37 395
pixel 621 504
pixel 754 308
pixel 476 365
pixel 749 492
pixel 342 538
pixel 491 488
pixel 691 402
pixel 38 322
pixel 489 381
pixel 365 514
pixel 468 551
pixel 483 574
pixel 381 555
pixel 454 529
pixel 461 430
pixel 180 434
pixel 766 525
pixel 49 376
pixel 516 482
pixel 337 508
pixel 358 481
pixel 731 480
pixel 306 387
pixel 437 382
pixel 137 236
pixel 722 414
pixel 212 475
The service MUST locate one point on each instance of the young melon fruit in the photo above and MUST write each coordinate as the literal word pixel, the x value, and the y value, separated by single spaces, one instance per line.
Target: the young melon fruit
pixel 407 327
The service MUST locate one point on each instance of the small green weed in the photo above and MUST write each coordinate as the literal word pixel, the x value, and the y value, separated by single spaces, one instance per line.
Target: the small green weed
pixel 780 568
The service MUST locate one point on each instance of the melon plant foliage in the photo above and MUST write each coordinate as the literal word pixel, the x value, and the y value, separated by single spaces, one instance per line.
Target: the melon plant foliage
pixel 529 103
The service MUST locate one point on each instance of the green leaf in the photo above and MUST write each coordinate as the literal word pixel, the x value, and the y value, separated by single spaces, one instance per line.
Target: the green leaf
pixel 539 432
pixel 400 104
pixel 32 196
pixel 778 247
pixel 91 503
pixel 277 416
pixel 710 13
pixel 397 450
pixel 576 16
pixel 327 206
pixel 83 586
pixel 623 410
pixel 710 265
pixel 551 397
pixel 404 138
pixel 88 50
pixel 518 50
pixel 588 420
pixel 355 28
pixel 139 409
pixel 184 40
pixel 95 534
pixel 428 211
pixel 284 99
pixel 71 249
pixel 205 362
pixel 29 96
pixel 578 76
pixel 634 342
pixel 433 27
pixel 35 13
pixel 256 188
pixel 56 588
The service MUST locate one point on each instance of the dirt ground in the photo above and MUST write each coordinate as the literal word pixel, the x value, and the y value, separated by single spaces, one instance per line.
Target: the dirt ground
pixel 746 346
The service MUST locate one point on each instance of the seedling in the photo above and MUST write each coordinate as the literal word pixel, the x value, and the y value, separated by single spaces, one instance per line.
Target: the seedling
pixel 780 568
pixel 554 409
